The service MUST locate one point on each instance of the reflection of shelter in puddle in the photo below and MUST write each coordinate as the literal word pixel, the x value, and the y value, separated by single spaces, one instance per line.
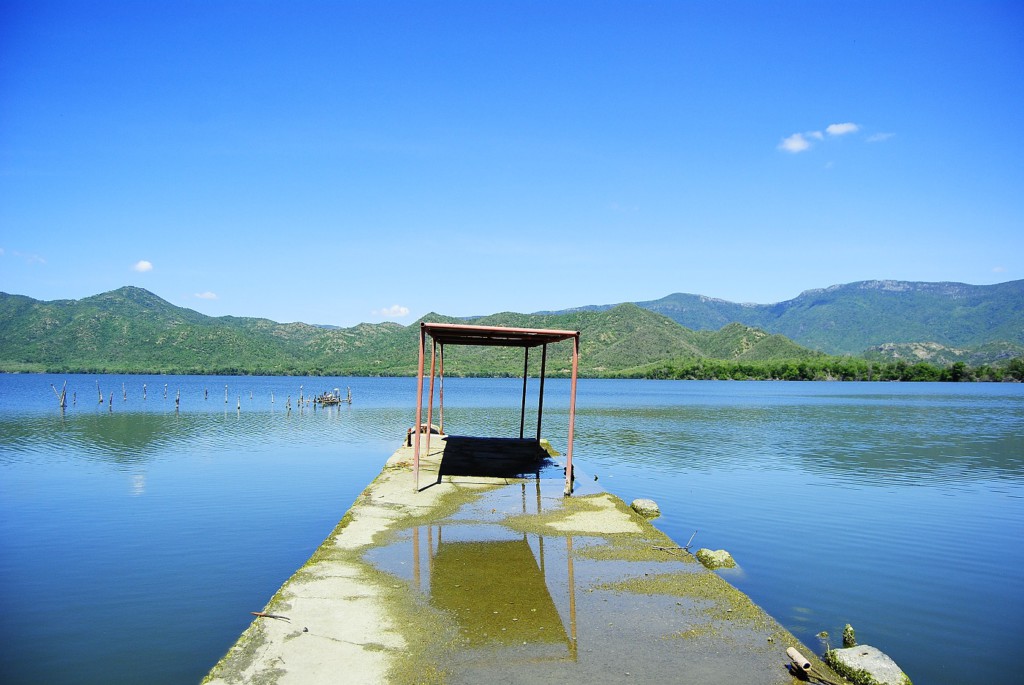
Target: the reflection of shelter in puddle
pixel 497 592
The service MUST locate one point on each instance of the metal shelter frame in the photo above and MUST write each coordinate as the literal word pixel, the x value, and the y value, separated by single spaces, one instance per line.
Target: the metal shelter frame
pixel 495 336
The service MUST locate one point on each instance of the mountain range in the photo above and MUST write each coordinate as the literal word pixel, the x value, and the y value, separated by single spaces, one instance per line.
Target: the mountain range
pixel 133 330
pixel 939 322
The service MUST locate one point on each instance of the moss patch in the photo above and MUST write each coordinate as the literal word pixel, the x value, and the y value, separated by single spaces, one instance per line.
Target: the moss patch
pixel 593 516
pixel 541 524
pixel 715 558
pixel 858 676
pixel 693 585
pixel 722 605
pixel 455 498
pixel 428 633
pixel 632 548
pixel 241 655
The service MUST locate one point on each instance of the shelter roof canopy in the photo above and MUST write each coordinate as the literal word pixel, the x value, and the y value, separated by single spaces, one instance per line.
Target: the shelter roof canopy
pixel 499 336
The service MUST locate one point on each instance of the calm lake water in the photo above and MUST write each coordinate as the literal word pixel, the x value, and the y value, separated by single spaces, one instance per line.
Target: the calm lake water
pixel 135 539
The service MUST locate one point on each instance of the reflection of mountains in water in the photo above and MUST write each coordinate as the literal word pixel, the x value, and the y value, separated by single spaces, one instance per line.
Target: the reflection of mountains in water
pixel 123 438
pixel 130 438
pixel 887 441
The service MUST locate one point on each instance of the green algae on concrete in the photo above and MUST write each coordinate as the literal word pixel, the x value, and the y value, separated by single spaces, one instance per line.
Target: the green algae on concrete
pixel 845 665
pixel 597 514
pixel 346 617
pixel 718 603
pixel 476 579
pixel 715 558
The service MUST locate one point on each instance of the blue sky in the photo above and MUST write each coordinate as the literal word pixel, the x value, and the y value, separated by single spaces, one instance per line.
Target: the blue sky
pixel 341 162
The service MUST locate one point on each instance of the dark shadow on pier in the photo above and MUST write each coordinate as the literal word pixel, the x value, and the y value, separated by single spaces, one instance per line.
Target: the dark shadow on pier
pixel 494 458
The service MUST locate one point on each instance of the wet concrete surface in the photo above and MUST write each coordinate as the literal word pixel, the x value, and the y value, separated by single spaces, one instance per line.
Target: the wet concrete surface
pixel 477 578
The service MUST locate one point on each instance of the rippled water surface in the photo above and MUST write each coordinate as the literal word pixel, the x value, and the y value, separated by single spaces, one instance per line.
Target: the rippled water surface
pixel 136 536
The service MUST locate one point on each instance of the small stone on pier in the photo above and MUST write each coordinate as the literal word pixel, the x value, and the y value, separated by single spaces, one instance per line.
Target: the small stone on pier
pixel 865 664
pixel 715 558
pixel 647 508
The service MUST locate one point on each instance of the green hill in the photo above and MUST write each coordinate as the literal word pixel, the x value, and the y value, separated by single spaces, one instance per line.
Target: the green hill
pixel 984 322
pixel 133 330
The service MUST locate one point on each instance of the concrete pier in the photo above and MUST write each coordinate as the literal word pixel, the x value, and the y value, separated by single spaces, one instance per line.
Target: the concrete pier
pixel 483 578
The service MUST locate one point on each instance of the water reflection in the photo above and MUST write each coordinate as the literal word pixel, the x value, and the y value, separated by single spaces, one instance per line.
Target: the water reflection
pixel 496 591
pixel 130 439
pixel 869 441
pixel 511 594
pixel 850 431
pixel 887 483
pixel 120 438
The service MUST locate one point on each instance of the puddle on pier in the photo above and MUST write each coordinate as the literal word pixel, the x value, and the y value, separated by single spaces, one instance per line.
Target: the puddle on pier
pixel 531 606
pixel 499 586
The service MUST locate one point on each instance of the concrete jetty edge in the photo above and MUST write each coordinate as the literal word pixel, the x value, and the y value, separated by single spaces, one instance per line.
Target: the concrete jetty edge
pixel 374 603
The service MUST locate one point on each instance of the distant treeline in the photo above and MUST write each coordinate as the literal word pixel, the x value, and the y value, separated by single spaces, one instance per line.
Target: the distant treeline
pixel 816 369
pixel 827 369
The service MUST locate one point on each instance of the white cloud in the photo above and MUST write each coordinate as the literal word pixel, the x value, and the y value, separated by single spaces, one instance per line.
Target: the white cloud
pixel 1 252
pixel 998 269
pixel 879 137
pixel 795 143
pixel 841 129
pixel 142 266
pixel 800 142
pixel 395 310
pixel 206 295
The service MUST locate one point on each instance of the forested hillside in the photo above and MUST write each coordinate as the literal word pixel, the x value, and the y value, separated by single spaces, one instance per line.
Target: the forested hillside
pixel 954 321
pixel 132 330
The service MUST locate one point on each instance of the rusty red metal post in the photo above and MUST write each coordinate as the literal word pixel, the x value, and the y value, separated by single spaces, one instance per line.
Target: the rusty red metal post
pixel 572 413
pixel 430 404
pixel 419 412
pixel 540 401
pixel 526 374
pixel 440 419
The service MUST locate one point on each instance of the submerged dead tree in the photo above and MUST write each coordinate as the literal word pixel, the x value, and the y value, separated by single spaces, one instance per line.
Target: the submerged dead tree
pixel 62 396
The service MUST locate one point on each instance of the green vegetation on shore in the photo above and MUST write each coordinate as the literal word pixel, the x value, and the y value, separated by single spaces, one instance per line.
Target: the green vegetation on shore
pixel 131 330
pixel 829 369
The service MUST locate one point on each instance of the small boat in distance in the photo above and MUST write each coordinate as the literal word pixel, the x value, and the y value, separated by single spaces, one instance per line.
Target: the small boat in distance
pixel 334 397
